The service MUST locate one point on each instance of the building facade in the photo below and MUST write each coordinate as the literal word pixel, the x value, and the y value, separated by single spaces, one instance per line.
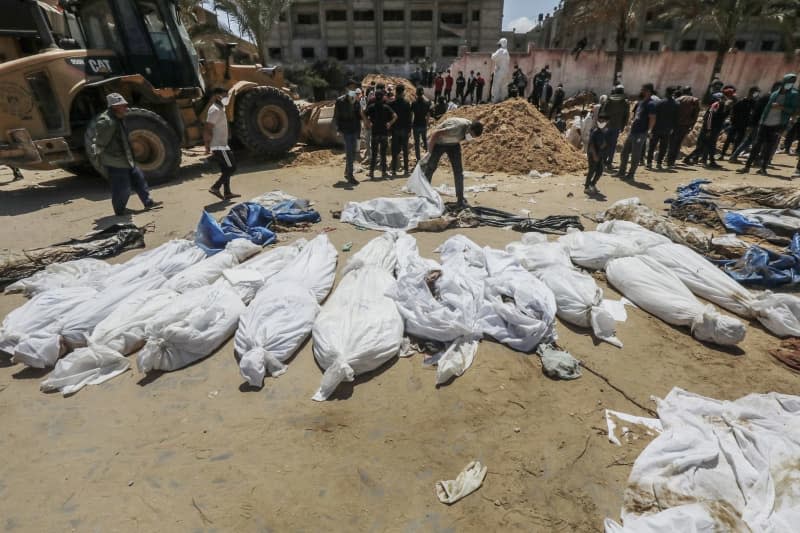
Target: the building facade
pixel 372 32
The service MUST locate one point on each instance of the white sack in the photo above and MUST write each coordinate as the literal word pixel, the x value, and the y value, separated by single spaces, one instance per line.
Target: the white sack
pixel 593 249
pixel 281 316
pixel 519 310
pixel 658 291
pixel 535 253
pixel 779 313
pixel 85 367
pixel 72 329
pixel 359 328
pixel 637 233
pixel 385 214
pixel 80 272
pixel 170 258
pixel 249 277
pixel 38 313
pixel 210 269
pixel 718 464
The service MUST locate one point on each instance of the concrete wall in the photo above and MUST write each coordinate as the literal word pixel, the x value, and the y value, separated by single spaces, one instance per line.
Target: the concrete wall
pixel 594 69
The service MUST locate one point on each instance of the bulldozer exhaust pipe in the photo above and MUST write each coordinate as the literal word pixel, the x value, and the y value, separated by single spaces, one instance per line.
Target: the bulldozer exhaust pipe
pixel 48 41
pixel 228 51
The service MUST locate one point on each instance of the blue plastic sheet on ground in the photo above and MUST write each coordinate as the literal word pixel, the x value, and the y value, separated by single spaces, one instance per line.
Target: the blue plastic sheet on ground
pixel 690 193
pixel 764 268
pixel 740 224
pixel 250 221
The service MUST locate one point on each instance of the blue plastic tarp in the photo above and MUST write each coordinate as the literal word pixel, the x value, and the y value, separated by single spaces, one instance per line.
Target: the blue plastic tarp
pixel 250 221
pixel 764 268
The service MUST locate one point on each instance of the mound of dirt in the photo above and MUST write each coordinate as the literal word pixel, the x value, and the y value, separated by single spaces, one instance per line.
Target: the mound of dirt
pixel 411 90
pixel 304 157
pixel 517 138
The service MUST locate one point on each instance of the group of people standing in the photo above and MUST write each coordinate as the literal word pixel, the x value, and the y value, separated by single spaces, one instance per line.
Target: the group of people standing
pixel 466 88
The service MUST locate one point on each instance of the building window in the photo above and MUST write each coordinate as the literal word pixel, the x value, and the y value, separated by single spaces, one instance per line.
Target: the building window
pixel 741 45
pixel 456 19
pixel 338 52
pixel 473 48
pixel 336 15
pixel 394 15
pixel 308 18
pixel 422 15
pixel 633 43
pixel 274 53
pixel 476 15
pixel 307 52
pixel 449 51
pixel 688 45
pixel 767 46
pixel 711 45
pixel 364 15
pixel 358 52
pixel 395 52
pixel 655 46
pixel 417 52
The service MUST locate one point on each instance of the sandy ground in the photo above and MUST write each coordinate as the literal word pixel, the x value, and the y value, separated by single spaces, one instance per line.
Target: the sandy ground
pixel 195 450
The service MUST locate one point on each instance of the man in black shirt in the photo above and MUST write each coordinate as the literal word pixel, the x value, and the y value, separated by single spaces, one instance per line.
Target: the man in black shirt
pixel 666 119
pixel 380 119
pixel 461 83
pixel 558 101
pixel 347 118
pixel 421 109
pixel 740 118
pixel 401 129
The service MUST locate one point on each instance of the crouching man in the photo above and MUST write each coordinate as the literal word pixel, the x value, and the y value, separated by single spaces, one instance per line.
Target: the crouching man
pixel 446 138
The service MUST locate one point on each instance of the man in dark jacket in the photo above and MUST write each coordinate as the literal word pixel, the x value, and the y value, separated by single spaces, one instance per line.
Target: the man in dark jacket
pixel 688 111
pixel 347 119
pixel 547 94
pixel 740 119
pixel 421 111
pixel 618 111
pixel 713 122
pixel 401 129
pixel 759 105
pixel 112 147
pixel 448 86
pixel 461 84
pixel 558 101
pixel 379 118
pixel 536 94
pixel 666 118
pixel 471 87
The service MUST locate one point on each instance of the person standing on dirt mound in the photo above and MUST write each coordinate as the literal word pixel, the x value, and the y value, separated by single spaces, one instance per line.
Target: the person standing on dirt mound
pixel 446 139
pixel 215 136
pixel 448 86
pixel 501 60
pixel 111 145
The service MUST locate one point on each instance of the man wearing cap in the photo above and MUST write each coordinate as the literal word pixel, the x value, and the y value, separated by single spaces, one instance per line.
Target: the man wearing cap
pixel 446 139
pixel 347 119
pixel 112 147
pixel 782 104
pixel 215 137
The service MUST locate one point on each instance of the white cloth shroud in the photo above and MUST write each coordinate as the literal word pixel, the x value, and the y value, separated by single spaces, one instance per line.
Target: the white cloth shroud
pixel 359 328
pixel 451 314
pixel 200 320
pixel 385 214
pixel 80 272
pixel 593 249
pixel 283 312
pixel 210 269
pixel 779 313
pixel 658 291
pixel 578 297
pixel 717 466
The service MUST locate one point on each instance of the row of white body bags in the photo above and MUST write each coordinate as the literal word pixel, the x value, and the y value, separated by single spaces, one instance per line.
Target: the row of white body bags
pixel 359 328
pixel 283 312
pixel 124 331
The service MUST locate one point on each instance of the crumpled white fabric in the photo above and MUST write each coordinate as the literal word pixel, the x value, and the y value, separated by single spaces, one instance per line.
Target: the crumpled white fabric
pixel 81 368
pixel 779 313
pixel 80 272
pixel 593 249
pixel 385 214
pixel 643 236
pixel 718 465
pixel 210 269
pixel 359 328
pixel 468 481
pixel 282 314
pixel 535 253
pixel 658 291
pixel 71 330
pixel 518 310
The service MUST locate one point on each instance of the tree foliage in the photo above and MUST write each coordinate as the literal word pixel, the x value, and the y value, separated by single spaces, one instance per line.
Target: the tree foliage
pixel 255 18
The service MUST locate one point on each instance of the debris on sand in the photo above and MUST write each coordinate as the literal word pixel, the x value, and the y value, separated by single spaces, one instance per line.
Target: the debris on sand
pixel 516 139
pixel 310 157
pixel 411 90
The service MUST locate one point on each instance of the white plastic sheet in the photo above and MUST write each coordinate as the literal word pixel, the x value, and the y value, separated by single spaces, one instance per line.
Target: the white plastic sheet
pixel 593 249
pixel 718 466
pixel 358 329
pixel 81 272
pixel 281 316
pixel 169 259
pixel 535 253
pixel 384 214
pixel 658 291
pixel 779 313
pixel 210 269
pixel 81 368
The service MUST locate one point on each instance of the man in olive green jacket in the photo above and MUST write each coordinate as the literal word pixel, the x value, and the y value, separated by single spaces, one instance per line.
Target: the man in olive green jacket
pixel 111 146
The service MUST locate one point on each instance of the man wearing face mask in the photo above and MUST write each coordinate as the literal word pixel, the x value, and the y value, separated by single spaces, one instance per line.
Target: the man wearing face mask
pixel 347 119
pixel 215 135
pixel 446 139
pixel 644 119
pixel 782 104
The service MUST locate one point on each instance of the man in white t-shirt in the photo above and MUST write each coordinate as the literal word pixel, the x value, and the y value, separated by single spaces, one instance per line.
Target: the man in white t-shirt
pixel 215 135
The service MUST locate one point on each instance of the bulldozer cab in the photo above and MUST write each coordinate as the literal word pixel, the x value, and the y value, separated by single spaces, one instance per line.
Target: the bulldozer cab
pixel 146 36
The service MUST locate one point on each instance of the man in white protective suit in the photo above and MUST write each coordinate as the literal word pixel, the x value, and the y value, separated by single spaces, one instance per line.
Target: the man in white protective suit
pixel 501 60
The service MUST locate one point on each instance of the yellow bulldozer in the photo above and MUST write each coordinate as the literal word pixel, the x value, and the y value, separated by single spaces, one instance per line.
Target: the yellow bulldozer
pixel 59 62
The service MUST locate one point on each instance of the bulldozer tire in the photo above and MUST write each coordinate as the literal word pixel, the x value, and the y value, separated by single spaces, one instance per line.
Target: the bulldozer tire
pixel 156 148
pixel 266 121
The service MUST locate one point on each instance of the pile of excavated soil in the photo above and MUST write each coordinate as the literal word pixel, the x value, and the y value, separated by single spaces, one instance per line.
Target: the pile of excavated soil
pixel 517 138
pixel 411 90
pixel 311 157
